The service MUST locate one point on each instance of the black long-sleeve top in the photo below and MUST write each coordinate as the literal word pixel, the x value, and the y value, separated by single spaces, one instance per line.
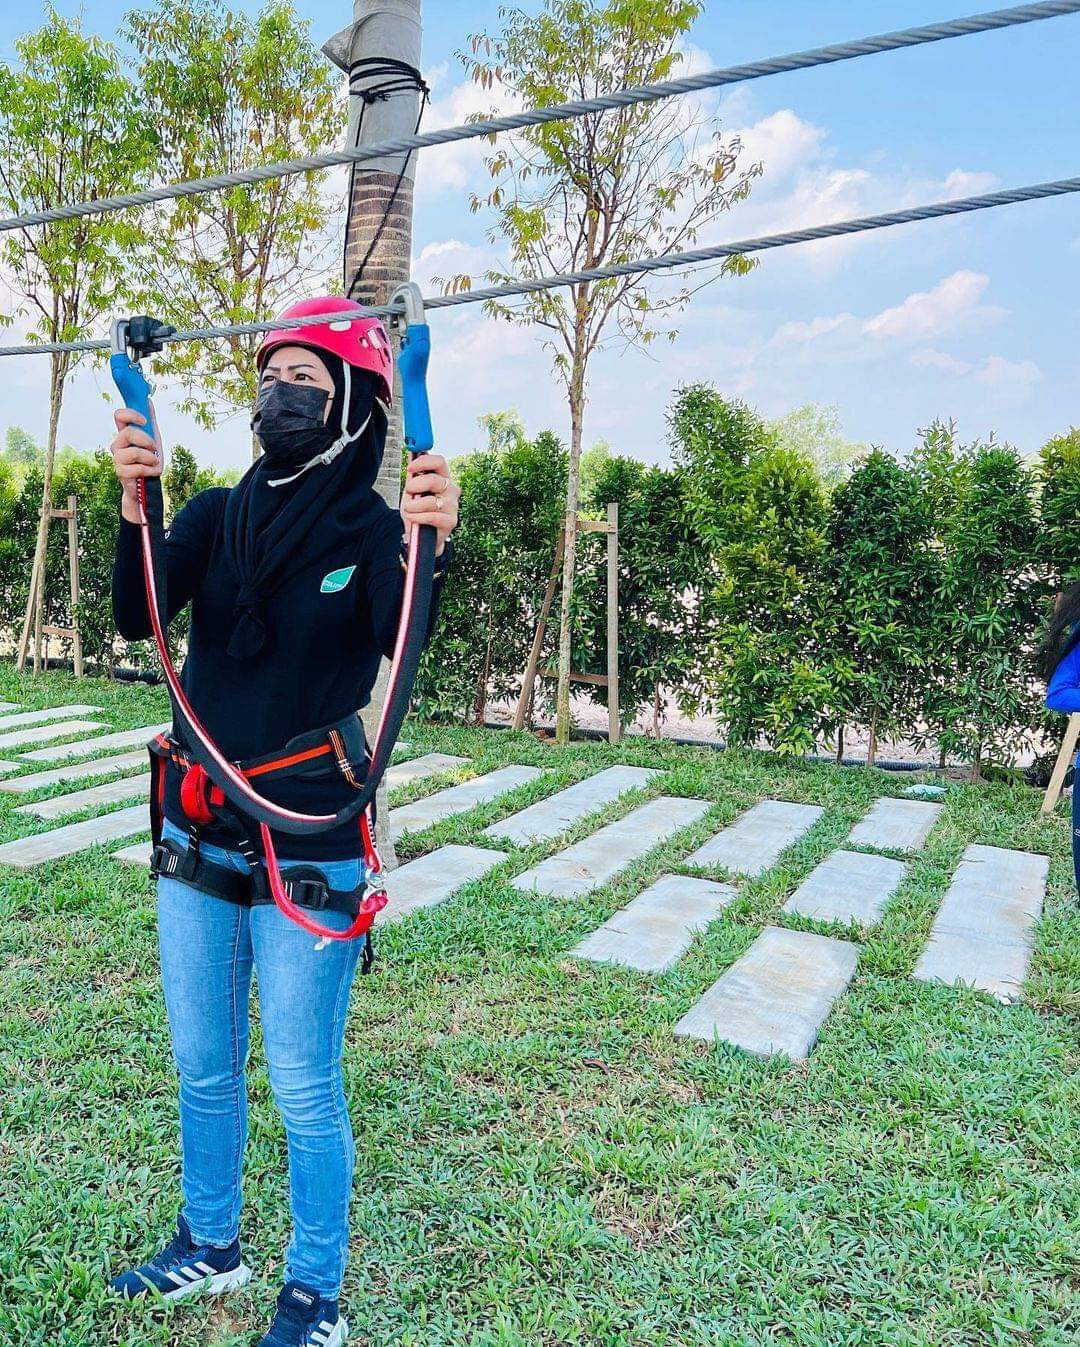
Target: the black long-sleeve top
pixel 324 639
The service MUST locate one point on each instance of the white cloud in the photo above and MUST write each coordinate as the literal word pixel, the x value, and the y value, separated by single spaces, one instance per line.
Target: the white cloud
pixel 1009 378
pixel 459 166
pixel 952 303
pixel 798 333
pixel 940 360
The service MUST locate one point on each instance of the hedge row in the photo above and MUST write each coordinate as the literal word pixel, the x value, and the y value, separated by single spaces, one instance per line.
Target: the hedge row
pixel 905 602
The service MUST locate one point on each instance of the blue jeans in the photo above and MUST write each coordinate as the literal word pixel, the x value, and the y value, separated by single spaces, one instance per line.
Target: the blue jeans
pixel 209 949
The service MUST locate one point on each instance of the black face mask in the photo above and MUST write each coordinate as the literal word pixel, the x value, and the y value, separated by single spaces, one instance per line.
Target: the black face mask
pixel 288 421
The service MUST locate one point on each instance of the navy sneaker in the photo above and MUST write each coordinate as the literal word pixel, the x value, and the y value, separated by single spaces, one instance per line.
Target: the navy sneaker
pixel 305 1319
pixel 184 1268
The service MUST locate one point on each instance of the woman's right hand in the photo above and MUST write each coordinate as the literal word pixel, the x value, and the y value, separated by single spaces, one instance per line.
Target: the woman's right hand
pixel 134 455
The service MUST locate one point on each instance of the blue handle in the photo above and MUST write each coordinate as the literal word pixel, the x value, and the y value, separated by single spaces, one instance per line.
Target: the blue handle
pixel 413 364
pixel 133 387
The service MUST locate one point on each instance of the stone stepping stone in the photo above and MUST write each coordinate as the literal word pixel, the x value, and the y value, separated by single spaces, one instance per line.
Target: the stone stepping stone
pixel 42 717
pixel 30 851
pixel 61 776
pixel 431 879
pixel 754 842
pixel 775 997
pixel 656 929
pixel 983 934
pixel 137 854
pixel 41 734
pixel 896 825
pixel 457 799
pixel 127 788
pixel 848 886
pixel 9 706
pixel 592 862
pixel 6 767
pixel 416 769
pixel 548 818
pixel 84 748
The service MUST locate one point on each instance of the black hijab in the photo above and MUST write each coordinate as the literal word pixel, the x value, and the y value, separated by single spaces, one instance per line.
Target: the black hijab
pixel 271 531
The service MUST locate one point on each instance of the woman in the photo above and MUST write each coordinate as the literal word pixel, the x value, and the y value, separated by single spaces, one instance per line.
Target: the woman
pixel 1060 659
pixel 295 579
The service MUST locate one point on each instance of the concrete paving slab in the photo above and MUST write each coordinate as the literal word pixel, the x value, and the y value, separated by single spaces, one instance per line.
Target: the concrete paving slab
pixel 595 860
pixel 9 706
pixel 85 748
pixel 137 854
pixel 896 825
pixel 41 734
pixel 432 809
pixel 61 776
pixel 656 929
pixel 984 932
pixel 754 842
pixel 6 767
pixel 112 792
pixel 776 996
pixel 548 818
pixel 416 769
pixel 431 879
pixel 30 851
pixel 848 886
pixel 44 717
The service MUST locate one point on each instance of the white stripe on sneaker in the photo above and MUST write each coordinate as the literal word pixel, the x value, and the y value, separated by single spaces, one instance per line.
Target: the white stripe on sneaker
pixel 176 1277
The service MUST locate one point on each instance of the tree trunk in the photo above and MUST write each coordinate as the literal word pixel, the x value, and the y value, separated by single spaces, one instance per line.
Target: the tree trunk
pixel 976 766
pixel 840 744
pixel 656 711
pixel 381 30
pixel 34 617
pixel 480 706
pixel 577 408
pixel 871 748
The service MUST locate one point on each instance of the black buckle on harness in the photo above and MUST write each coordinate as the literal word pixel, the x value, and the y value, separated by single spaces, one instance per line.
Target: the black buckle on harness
pixel 313 894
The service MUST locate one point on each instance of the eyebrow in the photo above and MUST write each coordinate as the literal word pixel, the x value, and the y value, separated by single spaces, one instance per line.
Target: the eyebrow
pixel 300 364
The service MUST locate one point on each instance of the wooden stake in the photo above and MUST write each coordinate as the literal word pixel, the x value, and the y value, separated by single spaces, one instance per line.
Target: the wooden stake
pixel 614 728
pixel 1065 756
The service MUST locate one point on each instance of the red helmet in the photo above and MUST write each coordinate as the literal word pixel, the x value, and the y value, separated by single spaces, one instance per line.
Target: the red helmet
pixel 357 338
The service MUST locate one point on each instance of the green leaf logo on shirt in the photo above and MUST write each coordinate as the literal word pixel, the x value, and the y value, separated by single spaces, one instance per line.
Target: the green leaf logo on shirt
pixel 336 581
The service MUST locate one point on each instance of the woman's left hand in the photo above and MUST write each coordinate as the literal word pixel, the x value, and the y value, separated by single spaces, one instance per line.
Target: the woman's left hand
pixel 431 496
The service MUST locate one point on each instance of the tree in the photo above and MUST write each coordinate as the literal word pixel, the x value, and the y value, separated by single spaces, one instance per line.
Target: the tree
pixel 72 127
pixel 21 449
pixel 763 677
pixel 589 191
pixel 989 606
pixel 232 92
pixel 815 432
pixel 877 580
pixel 1059 506
pixel 511 506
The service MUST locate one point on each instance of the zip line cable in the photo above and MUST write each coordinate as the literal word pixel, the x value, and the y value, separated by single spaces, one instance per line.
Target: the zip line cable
pixel 645 93
pixel 665 261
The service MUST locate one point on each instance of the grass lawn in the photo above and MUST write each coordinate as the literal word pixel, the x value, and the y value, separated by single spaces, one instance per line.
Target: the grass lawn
pixel 539 1160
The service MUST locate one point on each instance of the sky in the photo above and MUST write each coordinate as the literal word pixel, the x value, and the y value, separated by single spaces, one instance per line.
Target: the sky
pixel 975 318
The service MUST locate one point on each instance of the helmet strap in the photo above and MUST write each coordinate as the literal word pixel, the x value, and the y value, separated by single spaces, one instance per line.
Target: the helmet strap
pixel 342 442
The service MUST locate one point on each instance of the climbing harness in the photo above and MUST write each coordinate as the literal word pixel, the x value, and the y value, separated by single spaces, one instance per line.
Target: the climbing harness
pixel 212 787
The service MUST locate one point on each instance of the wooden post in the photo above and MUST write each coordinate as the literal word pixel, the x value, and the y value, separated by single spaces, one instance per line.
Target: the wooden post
pixel 610 680
pixel 614 728
pixel 34 623
pixel 1065 756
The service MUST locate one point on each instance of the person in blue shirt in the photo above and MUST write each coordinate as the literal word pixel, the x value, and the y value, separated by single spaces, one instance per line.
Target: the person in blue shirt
pixel 1060 660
